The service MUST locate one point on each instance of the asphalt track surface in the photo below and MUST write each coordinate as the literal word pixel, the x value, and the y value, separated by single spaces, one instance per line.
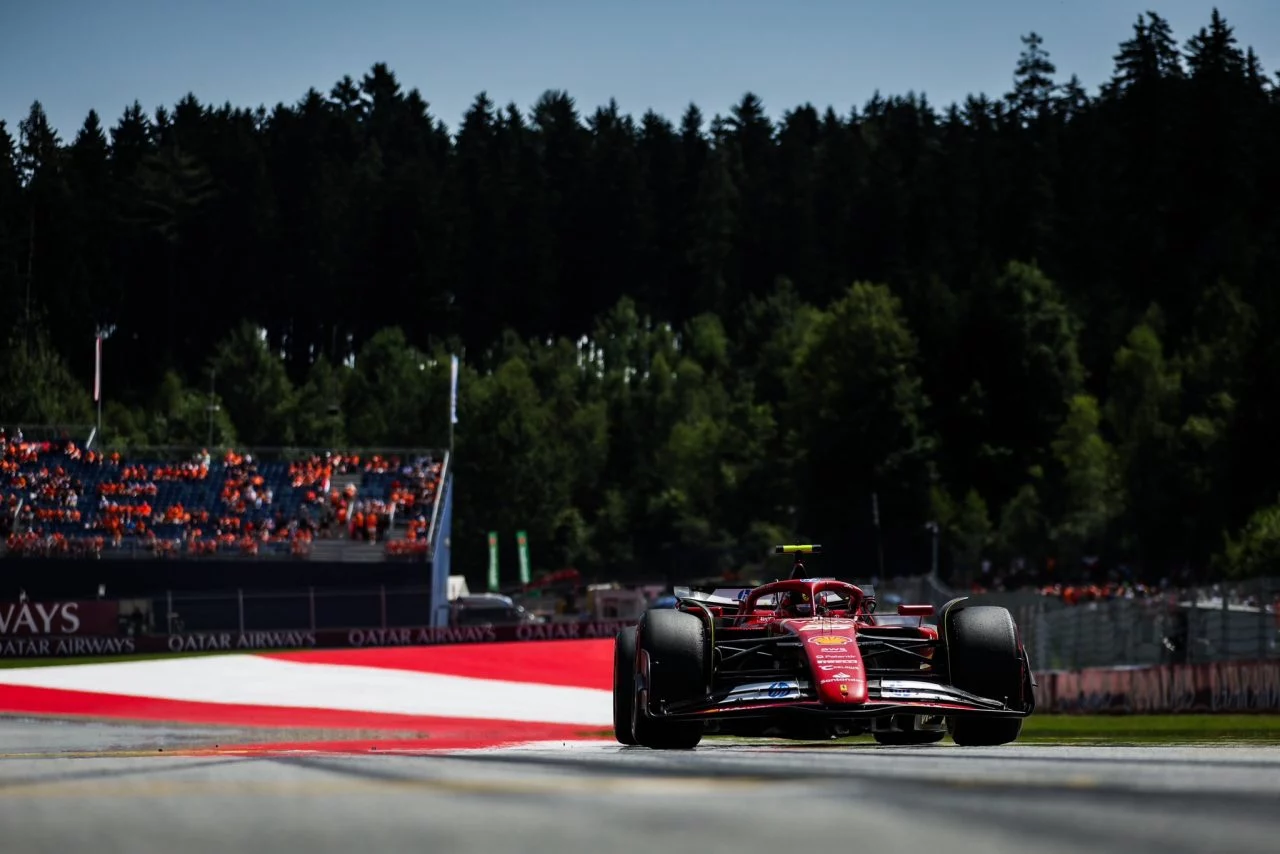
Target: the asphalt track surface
pixel 89 786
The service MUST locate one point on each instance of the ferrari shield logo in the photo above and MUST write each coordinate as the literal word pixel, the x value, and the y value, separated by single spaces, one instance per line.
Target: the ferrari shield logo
pixel 830 640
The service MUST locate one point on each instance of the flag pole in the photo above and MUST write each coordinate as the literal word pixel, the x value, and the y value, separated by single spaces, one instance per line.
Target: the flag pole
pixel 875 520
pixel 453 399
pixel 97 376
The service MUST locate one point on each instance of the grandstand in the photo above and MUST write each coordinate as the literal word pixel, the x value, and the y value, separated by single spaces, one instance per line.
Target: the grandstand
pixel 62 500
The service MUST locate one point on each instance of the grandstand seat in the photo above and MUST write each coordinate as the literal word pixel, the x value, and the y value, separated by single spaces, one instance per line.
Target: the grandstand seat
pixel 195 505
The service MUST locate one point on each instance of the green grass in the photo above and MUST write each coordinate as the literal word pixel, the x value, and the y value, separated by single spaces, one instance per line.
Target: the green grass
pixel 1151 729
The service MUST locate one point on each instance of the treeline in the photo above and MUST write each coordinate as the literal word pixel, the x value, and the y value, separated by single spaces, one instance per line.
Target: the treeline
pixel 1047 321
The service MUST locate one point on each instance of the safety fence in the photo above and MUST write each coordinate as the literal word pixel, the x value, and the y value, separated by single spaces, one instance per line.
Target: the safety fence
pixel 1215 687
pixel 1230 622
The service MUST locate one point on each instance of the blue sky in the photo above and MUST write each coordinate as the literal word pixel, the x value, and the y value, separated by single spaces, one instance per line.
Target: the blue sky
pixel 74 55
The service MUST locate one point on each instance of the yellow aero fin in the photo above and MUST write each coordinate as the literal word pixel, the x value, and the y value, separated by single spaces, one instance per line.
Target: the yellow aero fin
pixel 803 549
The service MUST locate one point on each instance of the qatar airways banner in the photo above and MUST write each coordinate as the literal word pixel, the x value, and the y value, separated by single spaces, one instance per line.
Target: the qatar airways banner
pixel 40 647
pixel 45 619
pixel 1227 686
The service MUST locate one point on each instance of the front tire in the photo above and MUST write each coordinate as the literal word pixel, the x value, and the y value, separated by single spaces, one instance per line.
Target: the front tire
pixel 674 643
pixel 624 685
pixel 983 655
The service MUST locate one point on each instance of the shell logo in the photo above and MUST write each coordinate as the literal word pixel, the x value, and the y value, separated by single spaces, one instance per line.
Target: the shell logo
pixel 830 640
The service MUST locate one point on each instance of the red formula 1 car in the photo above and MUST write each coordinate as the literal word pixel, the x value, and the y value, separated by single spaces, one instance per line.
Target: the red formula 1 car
pixel 809 658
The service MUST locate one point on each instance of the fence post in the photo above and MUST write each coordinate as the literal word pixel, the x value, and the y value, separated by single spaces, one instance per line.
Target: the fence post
pixel 1262 628
pixel 311 604
pixel 240 603
pixel 168 617
pixel 382 597
pixel 1077 636
pixel 1194 626
pixel 1262 617
pixel 1042 636
pixel 1226 626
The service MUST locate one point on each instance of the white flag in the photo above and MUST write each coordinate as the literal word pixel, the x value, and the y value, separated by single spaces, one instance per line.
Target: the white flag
pixel 453 390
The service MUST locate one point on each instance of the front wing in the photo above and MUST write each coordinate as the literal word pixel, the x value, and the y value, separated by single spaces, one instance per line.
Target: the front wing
pixel 884 697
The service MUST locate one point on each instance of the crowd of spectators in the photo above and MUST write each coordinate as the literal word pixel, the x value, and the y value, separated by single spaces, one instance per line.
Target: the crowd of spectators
pixel 58 499
pixel 1095 581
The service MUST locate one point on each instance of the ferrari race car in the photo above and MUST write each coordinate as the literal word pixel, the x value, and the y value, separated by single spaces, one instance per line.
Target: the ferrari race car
pixel 808 658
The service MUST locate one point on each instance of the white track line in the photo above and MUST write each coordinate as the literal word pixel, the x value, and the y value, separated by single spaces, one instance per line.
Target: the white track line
pixel 253 680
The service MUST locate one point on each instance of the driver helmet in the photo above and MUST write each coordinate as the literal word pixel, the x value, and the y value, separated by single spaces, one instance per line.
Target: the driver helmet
pixel 800 604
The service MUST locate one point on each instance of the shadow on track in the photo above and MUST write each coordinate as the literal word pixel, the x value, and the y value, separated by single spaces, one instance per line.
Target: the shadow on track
pixel 139 770
pixel 694 764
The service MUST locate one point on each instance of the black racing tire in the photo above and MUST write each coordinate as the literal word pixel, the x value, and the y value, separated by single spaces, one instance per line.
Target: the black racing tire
pixel 955 605
pixel 624 685
pixel 675 644
pixel 983 659
pixel 952 603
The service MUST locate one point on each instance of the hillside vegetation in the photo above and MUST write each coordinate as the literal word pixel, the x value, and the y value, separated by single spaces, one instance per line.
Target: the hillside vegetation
pixel 1047 320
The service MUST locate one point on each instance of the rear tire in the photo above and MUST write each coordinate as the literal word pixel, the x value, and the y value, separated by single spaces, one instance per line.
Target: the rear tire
pixel 982 653
pixel 624 685
pixel 675 644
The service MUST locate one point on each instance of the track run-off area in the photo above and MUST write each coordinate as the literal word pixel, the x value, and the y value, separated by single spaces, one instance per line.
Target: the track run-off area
pixel 502 748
